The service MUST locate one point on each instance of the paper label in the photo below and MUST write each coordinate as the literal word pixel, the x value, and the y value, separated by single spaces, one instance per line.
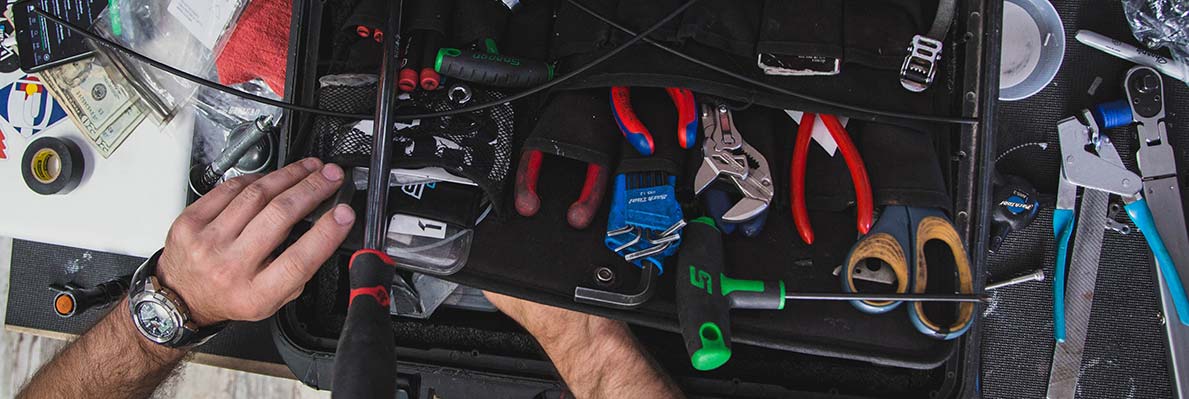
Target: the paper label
pixel 412 225
pixel 205 19
pixel 821 134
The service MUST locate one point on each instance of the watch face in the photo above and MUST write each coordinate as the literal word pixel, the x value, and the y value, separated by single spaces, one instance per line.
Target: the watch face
pixel 155 320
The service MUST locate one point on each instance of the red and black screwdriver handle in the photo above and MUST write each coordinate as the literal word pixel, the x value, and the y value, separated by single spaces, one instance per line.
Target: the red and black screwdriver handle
pixel 365 360
pixel 705 295
pixel 367 340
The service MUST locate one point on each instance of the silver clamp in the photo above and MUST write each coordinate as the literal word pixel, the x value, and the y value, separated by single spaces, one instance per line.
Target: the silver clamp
pixel 920 65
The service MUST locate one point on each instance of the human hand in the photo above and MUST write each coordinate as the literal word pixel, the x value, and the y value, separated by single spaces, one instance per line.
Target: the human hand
pixel 218 254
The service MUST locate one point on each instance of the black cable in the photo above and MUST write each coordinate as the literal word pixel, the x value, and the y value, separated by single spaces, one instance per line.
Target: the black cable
pixel 295 107
pixel 767 86
pixel 190 77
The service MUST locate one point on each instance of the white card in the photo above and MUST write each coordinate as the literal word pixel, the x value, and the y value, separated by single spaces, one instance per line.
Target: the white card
pixel 412 225
pixel 205 19
pixel 821 134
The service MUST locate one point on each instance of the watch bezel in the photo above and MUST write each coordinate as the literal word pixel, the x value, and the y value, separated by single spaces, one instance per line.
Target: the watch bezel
pixel 154 293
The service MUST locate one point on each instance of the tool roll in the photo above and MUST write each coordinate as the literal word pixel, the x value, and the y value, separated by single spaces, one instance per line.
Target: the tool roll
pixel 539 257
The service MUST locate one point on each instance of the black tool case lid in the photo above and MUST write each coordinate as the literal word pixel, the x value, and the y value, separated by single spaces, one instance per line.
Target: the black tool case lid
pixel 543 260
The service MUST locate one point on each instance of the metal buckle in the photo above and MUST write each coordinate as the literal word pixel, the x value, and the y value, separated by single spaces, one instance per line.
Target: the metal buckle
pixel 920 65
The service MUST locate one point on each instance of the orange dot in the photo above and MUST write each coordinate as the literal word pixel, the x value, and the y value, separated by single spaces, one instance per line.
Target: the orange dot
pixel 64 304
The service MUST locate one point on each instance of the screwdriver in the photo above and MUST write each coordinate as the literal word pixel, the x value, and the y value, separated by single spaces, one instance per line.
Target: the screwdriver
pixel 705 302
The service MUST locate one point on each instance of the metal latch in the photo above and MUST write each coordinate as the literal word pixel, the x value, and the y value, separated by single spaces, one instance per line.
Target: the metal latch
pixel 920 65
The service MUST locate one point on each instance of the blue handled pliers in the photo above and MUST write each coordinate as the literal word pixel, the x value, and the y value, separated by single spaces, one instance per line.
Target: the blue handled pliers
pixel 1102 171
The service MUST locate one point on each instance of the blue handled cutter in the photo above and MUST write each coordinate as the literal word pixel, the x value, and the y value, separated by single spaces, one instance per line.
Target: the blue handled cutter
pixel 1102 171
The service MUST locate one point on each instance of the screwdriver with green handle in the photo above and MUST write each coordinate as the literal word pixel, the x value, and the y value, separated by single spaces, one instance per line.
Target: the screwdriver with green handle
pixel 706 295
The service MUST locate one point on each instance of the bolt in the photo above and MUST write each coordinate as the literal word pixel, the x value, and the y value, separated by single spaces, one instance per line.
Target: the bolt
pixel 1038 275
pixel 604 275
pixel 1126 183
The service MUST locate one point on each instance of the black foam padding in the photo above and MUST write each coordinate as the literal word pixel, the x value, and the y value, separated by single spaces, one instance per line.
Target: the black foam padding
pixel 30 303
pixel 1126 350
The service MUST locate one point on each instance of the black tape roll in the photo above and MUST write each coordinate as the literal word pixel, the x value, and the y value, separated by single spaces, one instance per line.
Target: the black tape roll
pixel 52 166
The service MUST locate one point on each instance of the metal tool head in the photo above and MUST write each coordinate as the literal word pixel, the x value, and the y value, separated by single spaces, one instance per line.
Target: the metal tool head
pixel 1102 169
pixel 726 155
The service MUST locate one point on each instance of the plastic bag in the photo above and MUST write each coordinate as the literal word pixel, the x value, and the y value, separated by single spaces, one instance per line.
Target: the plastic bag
pixel 217 113
pixel 1161 23
pixel 185 34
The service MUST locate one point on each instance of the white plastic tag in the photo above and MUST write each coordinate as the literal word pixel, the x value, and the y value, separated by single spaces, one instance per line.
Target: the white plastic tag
pixel 412 225
pixel 205 19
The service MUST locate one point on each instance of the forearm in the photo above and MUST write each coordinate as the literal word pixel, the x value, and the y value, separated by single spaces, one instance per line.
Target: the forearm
pixel 111 360
pixel 600 358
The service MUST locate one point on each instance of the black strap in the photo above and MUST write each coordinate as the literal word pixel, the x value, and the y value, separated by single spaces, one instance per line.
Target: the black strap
pixel 943 19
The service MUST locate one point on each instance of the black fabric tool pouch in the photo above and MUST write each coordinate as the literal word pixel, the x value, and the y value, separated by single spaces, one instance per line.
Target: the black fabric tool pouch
pixel 475 145
pixel 903 166
pixel 575 32
pixel 577 124
pixel 430 15
pixel 477 20
pixel 801 37
pixel 731 26
pixel 877 33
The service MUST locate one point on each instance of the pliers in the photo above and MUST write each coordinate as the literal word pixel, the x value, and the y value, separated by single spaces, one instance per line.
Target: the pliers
pixel 858 174
pixel 1104 171
pixel 726 155
pixel 638 135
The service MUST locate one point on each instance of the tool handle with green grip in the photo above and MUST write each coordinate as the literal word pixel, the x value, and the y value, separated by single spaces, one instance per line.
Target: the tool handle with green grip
pixel 703 312
pixel 492 69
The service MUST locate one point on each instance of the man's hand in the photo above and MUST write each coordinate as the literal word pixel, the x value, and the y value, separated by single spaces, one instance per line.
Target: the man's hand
pixel 219 253
pixel 596 357
pixel 218 258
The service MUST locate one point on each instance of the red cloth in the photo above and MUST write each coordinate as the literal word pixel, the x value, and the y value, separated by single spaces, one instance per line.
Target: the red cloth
pixel 259 46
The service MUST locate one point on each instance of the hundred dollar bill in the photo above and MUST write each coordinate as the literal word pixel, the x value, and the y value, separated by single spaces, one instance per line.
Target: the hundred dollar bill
pixel 102 104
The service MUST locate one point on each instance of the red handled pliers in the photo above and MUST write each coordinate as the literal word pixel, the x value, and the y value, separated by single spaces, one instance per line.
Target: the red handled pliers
pixel 638 135
pixel 858 174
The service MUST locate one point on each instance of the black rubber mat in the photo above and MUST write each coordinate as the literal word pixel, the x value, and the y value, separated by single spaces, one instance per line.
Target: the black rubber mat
pixel 30 301
pixel 1126 352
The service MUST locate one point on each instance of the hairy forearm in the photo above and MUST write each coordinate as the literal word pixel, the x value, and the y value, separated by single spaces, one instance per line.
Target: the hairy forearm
pixel 600 358
pixel 111 360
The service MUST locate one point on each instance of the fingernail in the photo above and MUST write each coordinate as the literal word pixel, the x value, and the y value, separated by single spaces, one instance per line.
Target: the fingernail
pixel 343 214
pixel 332 172
pixel 311 164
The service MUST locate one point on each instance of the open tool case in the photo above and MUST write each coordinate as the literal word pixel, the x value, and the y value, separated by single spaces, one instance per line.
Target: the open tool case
pixel 810 347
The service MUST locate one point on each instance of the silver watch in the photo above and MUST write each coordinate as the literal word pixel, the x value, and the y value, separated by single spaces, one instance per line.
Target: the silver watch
pixel 159 314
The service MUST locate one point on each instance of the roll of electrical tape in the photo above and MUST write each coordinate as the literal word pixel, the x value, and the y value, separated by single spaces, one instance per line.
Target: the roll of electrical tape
pixel 52 166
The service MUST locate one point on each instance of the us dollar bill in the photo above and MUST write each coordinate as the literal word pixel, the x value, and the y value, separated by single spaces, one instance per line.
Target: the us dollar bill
pixel 99 101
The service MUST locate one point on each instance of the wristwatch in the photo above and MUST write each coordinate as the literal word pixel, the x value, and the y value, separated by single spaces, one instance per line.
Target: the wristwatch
pixel 159 314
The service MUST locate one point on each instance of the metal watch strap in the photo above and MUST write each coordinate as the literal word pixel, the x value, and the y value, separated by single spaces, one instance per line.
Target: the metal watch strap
pixel 187 336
